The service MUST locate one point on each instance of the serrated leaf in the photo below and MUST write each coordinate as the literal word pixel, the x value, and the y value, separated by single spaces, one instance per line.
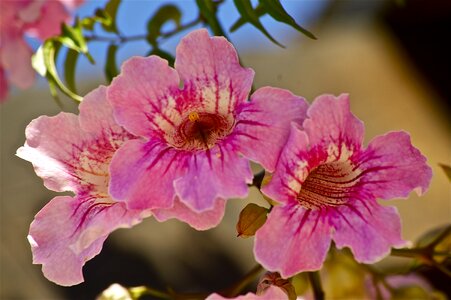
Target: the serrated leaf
pixel 110 65
pixel 275 9
pixel 207 9
pixel 70 64
pixel 447 170
pixel 111 9
pixel 163 54
pixel 259 10
pixel 249 15
pixel 252 217
pixel 164 14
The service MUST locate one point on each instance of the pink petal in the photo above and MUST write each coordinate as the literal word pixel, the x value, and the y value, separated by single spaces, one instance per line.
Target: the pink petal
pixel 142 96
pixel 210 67
pixel 394 167
pixel 96 113
pixel 3 85
pixel 217 173
pixel 292 168
pixel 142 174
pixel 15 58
pixel 52 145
pixel 199 221
pixel 367 228
pixel 272 293
pixel 292 240
pixel 263 125
pixel 52 14
pixel 331 125
pixel 68 231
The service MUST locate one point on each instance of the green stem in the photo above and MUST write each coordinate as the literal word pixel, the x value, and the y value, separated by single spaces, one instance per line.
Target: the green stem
pixel 315 281
pixel 124 39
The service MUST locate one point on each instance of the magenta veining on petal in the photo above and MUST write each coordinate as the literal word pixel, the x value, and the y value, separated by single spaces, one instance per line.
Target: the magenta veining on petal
pixel 201 130
pixel 329 184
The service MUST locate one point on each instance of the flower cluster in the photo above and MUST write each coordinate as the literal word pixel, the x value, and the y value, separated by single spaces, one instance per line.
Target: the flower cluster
pixel 177 143
pixel 26 17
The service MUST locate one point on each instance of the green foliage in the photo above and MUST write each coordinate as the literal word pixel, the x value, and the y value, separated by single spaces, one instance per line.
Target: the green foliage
pixel 165 14
pixel 208 10
pixel 276 10
pixel 250 15
pixel 272 7
pixel 110 65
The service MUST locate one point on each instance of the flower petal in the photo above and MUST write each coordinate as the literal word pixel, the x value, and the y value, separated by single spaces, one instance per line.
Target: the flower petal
pixel 394 167
pixel 199 221
pixel 15 58
pixel 142 174
pixel 142 96
pixel 292 240
pixel 69 231
pixel 210 67
pixel 367 228
pixel 217 173
pixel 292 168
pixel 331 125
pixel 51 146
pixel 52 14
pixel 263 125
pixel 272 293
pixel 96 114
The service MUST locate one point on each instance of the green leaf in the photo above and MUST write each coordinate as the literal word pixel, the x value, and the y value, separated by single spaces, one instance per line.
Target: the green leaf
pixel 163 54
pixel 49 52
pixel 250 15
pixel 69 68
pixel 73 38
pixel 208 10
pixel 110 65
pixel 276 10
pixel 111 9
pixel 164 14
pixel 259 10
pixel 447 170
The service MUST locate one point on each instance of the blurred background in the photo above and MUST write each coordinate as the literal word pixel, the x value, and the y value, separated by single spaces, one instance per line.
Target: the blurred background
pixel 390 56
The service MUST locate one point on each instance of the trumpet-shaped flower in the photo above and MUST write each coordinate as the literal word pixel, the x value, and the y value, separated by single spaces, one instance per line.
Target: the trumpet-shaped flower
pixel 328 183
pixel 198 129
pixel 73 153
pixel 38 18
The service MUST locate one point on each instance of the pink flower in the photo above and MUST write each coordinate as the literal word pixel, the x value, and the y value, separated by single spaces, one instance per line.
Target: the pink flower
pixel 73 153
pixel 271 293
pixel 198 138
pixel 38 18
pixel 328 183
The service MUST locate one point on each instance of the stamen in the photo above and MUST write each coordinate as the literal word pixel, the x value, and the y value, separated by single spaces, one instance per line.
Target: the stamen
pixel 193 116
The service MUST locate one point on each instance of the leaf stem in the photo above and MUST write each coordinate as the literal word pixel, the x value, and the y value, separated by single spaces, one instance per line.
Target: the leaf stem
pixel 124 39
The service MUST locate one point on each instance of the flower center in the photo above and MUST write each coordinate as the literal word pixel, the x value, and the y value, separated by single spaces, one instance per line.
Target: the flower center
pixel 329 184
pixel 201 131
